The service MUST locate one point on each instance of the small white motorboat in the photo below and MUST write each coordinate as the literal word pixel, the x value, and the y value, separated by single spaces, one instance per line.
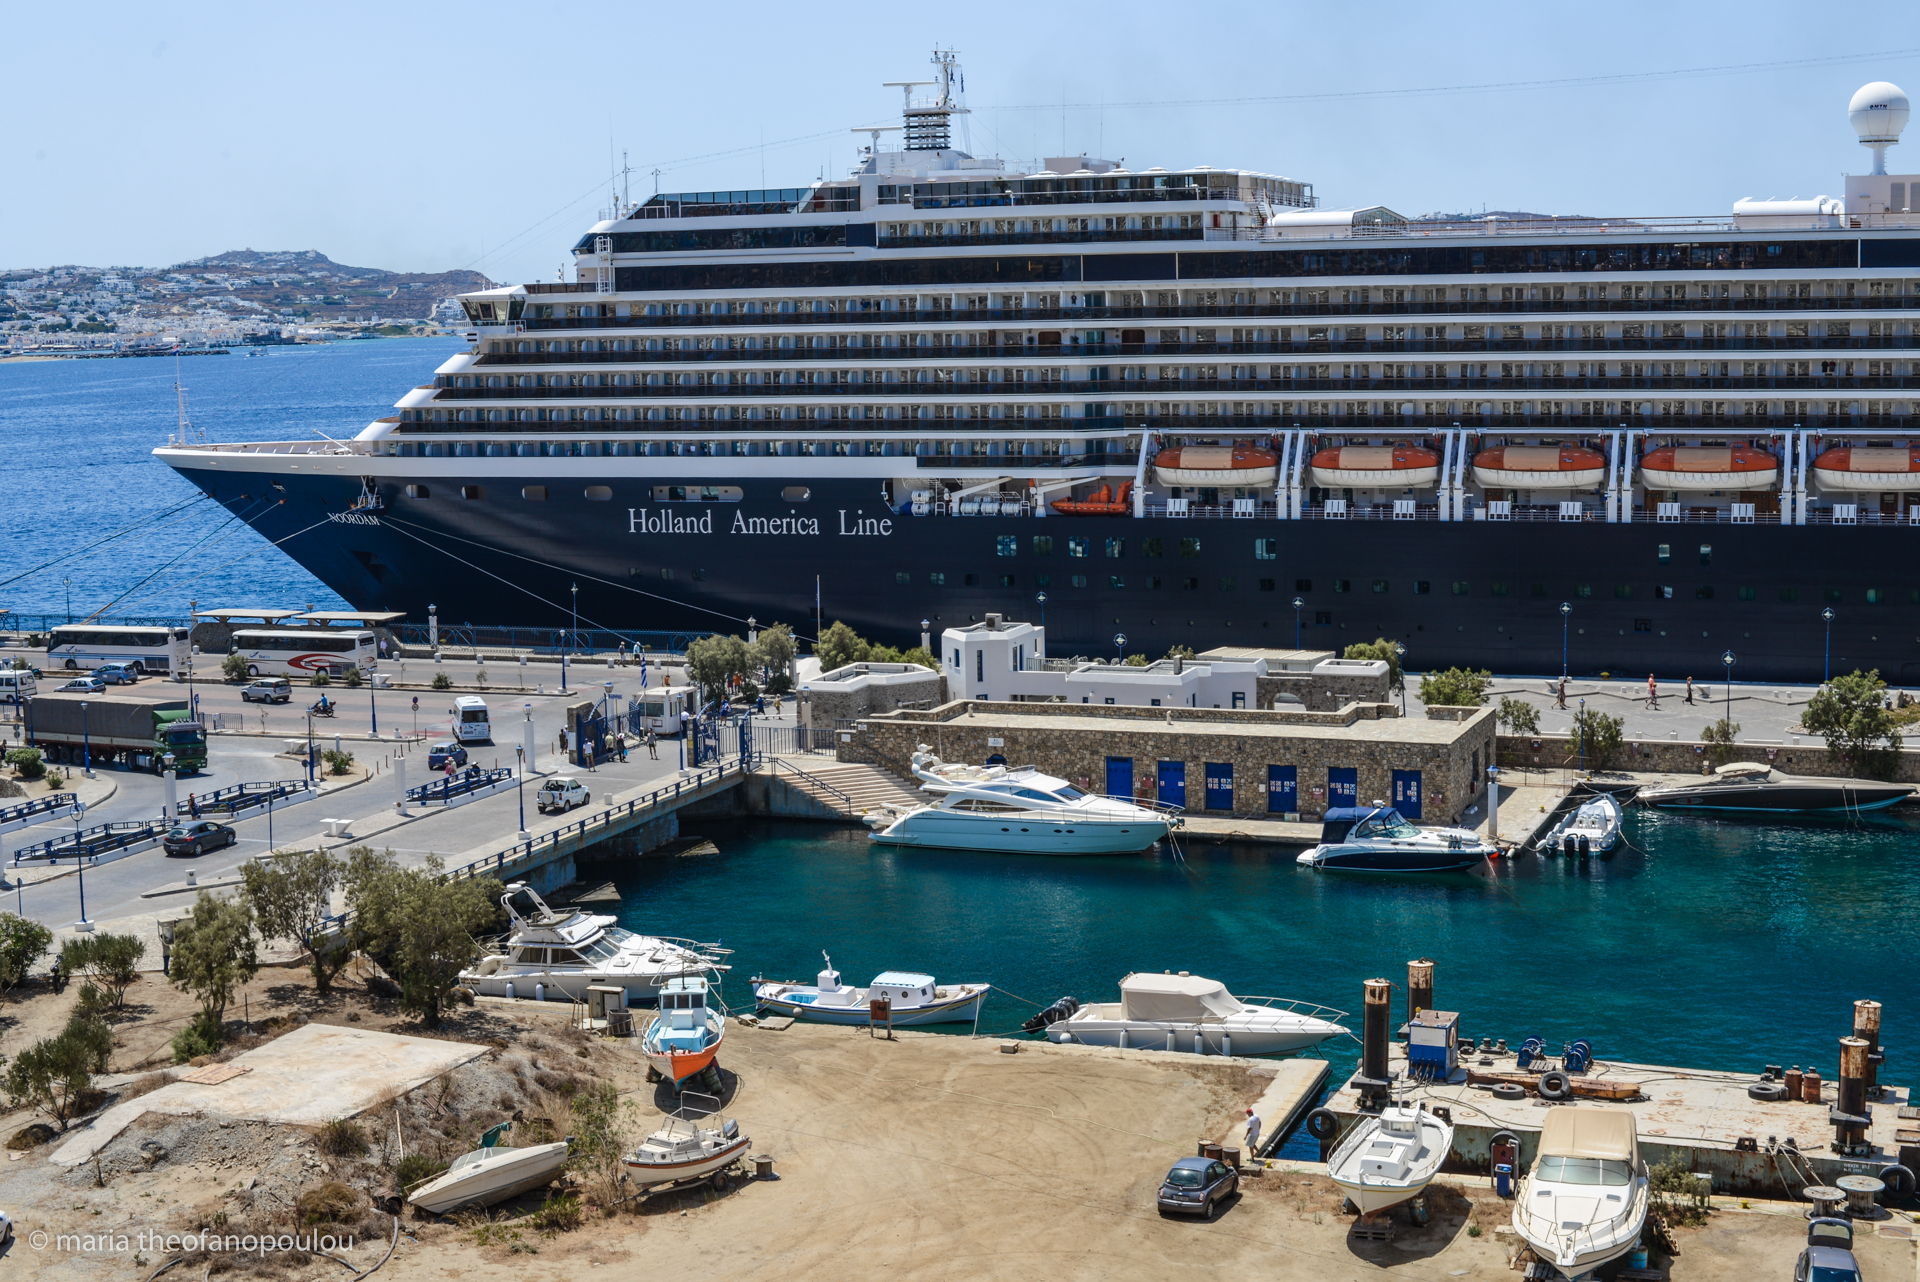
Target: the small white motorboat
pixel 1584 1202
pixel 686 1147
pixel 491 1173
pixel 684 1037
pixel 1017 811
pixel 915 998
pixel 1377 839
pixel 1592 827
pixel 1388 1159
pixel 557 955
pixel 1188 1013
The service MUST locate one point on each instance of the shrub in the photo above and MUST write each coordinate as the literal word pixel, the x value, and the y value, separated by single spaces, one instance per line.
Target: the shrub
pixel 213 952
pixel 56 780
pixel 55 1073
pixel 1598 738
pixel 234 667
pixel 1454 688
pixel 418 927
pixel 779 683
pixel 320 679
pixel 353 677
pixel 27 761
pixel 560 1213
pixel 1517 715
pixel 291 898
pixel 1850 712
pixel 441 681
pixel 339 761
pixel 1381 648
pixel 22 943
pixel 329 1203
pixel 1678 1196
pixel 342 1137
pixel 201 1037
pixel 838 646
pixel 601 1127
pixel 110 961
pixel 1719 739
pixel 417 1168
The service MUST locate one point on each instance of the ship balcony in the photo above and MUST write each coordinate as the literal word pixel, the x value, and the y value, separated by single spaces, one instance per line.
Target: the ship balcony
pixel 1105 235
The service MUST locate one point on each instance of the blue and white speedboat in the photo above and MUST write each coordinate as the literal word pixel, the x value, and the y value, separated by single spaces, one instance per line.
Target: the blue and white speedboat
pixel 916 999
pixel 1379 839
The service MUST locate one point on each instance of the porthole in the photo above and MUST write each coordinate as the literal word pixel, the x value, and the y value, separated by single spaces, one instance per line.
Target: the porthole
pixel 419 492
pixel 599 493
pixel 472 492
pixel 795 494
pixel 534 492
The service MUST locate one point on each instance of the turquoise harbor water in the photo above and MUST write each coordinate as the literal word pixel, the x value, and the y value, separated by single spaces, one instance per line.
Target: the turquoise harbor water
pixel 78 438
pixel 1723 945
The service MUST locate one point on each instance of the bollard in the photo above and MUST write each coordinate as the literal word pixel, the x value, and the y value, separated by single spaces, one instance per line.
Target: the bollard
pixel 1419 987
pixel 1849 1120
pixel 1866 1026
pixel 1793 1084
pixel 400 785
pixel 1372 1081
pixel 1810 1086
pixel 1493 805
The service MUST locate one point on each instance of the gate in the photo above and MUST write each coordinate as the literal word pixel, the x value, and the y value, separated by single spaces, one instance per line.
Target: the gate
pixel 1219 785
pixel 716 738
pixel 1172 776
pixel 1406 793
pixel 1343 786
pixel 1283 790
pixel 1120 776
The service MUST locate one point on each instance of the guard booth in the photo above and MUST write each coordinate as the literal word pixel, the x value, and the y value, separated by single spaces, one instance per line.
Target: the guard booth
pixel 659 709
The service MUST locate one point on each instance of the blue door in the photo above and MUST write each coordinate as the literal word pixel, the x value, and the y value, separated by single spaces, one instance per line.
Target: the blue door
pixel 1173 783
pixel 1219 785
pixel 1343 786
pixel 1283 790
pixel 1406 792
pixel 1119 776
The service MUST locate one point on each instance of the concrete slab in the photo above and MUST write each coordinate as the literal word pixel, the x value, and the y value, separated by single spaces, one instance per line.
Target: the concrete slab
pixel 1296 1085
pixel 312 1075
pixel 1204 827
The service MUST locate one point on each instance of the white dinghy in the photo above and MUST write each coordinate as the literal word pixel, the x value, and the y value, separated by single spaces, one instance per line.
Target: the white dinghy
pixel 1389 1159
pixel 1592 827
pixel 491 1173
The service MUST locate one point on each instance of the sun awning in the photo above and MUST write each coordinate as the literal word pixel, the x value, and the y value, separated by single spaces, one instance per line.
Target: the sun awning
pixel 1607 1133
pixel 1175 998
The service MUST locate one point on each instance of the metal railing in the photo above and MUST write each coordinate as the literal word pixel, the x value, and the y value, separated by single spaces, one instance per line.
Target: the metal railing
pixel 500 861
pixel 584 643
pixel 241 796
pixel 38 806
pixel 461 783
pixel 787 739
pixel 91 843
pixel 815 780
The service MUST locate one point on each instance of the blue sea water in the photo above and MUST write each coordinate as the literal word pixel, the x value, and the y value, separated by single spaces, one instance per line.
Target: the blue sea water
pixel 1725 945
pixel 77 438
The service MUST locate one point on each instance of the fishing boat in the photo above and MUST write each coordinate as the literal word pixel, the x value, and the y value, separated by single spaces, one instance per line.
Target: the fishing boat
pixel 1592 827
pixel 1754 786
pixel 548 955
pixel 1539 467
pixel 1709 467
pixel 915 998
pixel 1379 839
pixel 1017 811
pixel 1584 1202
pixel 1874 469
pixel 686 1147
pixel 491 1173
pixel 685 1036
pixel 1398 466
pixel 1390 1158
pixel 1186 1012
pixel 1216 465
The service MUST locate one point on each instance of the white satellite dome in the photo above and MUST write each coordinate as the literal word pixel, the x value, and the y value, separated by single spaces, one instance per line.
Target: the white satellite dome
pixel 1879 112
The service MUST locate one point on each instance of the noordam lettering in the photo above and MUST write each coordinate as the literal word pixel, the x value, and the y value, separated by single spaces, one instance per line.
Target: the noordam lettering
pixel 353 518
pixel 774 525
pixel 640 521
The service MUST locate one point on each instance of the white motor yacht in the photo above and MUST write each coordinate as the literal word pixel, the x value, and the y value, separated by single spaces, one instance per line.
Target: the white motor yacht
pixel 1018 811
pixel 1584 1202
pixel 687 1146
pixel 1188 1013
pixel 556 955
pixel 491 1173
pixel 1378 839
pixel 1592 827
pixel 1388 1159
pixel 914 998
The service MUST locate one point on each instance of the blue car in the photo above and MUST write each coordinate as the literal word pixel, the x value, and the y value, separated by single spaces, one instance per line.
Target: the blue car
pixel 118 673
pixel 1197 1186
pixel 441 753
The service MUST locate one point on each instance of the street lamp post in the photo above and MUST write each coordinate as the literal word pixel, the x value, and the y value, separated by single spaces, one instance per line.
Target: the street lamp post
pixel 926 636
pixel 519 785
pixel 1727 659
pixel 373 708
pixel 309 745
pixel 1580 723
pixel 1400 653
pixel 1826 669
pixel 570 640
pixel 80 866
pixel 1041 597
pixel 1566 613
pixel 86 744
pixel 68 585
pixel 1119 648
pixel 1297 605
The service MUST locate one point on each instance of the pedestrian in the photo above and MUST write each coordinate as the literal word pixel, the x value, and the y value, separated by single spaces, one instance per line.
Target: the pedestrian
pixel 776 705
pixel 623 654
pixel 1689 689
pixel 684 721
pixel 193 804
pixel 623 749
pixel 760 705
pixel 1253 1133
pixel 563 741
pixel 1563 694
pixel 1653 693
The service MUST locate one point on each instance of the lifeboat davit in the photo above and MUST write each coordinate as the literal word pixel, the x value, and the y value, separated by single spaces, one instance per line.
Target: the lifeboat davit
pixel 1242 465
pixel 1397 466
pixel 1709 467
pixel 1869 468
pixel 1539 467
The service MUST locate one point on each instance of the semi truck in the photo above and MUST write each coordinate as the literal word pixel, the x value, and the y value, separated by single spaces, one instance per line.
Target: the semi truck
pixel 131 727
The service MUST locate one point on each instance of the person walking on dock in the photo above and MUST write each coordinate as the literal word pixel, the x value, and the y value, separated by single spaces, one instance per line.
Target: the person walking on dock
pixel 1689 689
pixel 653 747
pixel 1563 694
pixel 1653 693
pixel 193 804
pixel 1253 1133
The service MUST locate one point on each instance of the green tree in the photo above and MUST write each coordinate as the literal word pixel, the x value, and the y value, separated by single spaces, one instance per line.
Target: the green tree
pixel 339 761
pixel 773 650
pixel 1851 713
pixel 1179 652
pixel 925 658
pixel 214 952
pixel 112 962
pixel 1454 688
pixel 1136 661
pixel 28 762
pixel 419 926
pixel 602 1129
pixel 1517 715
pixel 234 667
pixel 1598 738
pixel 840 645
pixel 713 661
pixel 1719 739
pixel 56 1073
pixel 292 898
pixel 22 943
pixel 1381 648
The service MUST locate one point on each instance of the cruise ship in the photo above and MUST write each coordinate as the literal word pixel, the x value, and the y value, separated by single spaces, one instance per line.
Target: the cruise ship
pixel 1184 405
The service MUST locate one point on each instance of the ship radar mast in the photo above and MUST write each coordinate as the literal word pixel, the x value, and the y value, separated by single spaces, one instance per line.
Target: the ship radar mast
pixel 928 122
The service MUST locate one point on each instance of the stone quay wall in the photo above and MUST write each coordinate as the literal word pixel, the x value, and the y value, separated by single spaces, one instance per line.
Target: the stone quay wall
pixel 822 709
pixel 1688 756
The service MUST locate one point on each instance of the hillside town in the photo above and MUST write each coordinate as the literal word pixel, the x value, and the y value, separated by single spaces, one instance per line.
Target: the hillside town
pixel 240 297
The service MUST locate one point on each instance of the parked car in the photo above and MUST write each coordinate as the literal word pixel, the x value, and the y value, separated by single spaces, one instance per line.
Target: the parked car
pixel 1829 1253
pixel 1197 1186
pixel 267 690
pixel 118 674
pixel 86 685
pixel 441 753
pixel 557 796
pixel 198 837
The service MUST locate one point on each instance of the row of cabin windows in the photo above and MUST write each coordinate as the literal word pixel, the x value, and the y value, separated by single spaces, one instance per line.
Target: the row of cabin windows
pixel 1187 582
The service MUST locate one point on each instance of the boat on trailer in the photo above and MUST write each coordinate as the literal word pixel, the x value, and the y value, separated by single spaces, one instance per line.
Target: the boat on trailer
pixel 1390 1158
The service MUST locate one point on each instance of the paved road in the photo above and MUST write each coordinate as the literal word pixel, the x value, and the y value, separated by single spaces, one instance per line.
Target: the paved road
pixel 1765 714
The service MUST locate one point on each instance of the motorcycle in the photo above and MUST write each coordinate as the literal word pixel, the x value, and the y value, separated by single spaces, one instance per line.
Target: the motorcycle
pixel 321 709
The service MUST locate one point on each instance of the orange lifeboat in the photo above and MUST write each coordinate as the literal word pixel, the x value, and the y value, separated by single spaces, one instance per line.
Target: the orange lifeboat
pixel 1709 467
pixel 1539 467
pixel 1102 502
pixel 1242 465
pixel 1872 468
pixel 1400 465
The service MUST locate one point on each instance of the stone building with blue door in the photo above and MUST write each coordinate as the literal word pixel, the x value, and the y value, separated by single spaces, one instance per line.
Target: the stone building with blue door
pixel 1221 761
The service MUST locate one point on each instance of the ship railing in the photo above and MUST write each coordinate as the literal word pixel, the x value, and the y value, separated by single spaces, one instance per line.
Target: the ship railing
pixel 1243 510
pixel 1294 1006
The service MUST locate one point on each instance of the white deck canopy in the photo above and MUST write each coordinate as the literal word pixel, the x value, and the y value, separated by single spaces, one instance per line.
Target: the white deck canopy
pixel 1605 1133
pixel 1175 998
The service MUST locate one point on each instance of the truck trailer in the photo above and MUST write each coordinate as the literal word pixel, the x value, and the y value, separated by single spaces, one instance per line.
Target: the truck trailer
pixel 131 727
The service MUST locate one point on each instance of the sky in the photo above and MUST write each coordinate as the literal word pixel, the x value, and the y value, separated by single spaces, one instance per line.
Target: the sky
pixel 427 136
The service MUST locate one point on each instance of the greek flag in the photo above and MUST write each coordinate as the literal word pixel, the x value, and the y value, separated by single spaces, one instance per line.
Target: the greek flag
pixel 643 672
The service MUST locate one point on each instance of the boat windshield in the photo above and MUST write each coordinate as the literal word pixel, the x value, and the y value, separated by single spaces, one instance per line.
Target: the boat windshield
pixel 1068 793
pixel 599 950
pixel 1585 1170
pixel 616 936
pixel 1185 1177
pixel 1391 828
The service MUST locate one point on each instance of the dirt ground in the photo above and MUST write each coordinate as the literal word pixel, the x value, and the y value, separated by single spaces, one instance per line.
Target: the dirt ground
pixel 931 1156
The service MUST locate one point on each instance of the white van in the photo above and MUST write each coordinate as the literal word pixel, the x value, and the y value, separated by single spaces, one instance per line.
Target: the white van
pixel 17 685
pixel 659 709
pixel 470 724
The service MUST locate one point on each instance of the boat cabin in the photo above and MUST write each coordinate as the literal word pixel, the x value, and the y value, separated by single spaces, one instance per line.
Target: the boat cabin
pixel 1175 999
pixel 682 1023
pixel 1597 1146
pixel 902 988
pixel 1364 823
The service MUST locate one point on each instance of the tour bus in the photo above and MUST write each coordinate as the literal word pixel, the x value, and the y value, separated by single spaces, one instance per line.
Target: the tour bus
pixel 659 709
pixel 470 723
pixel 301 652
pixel 88 645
